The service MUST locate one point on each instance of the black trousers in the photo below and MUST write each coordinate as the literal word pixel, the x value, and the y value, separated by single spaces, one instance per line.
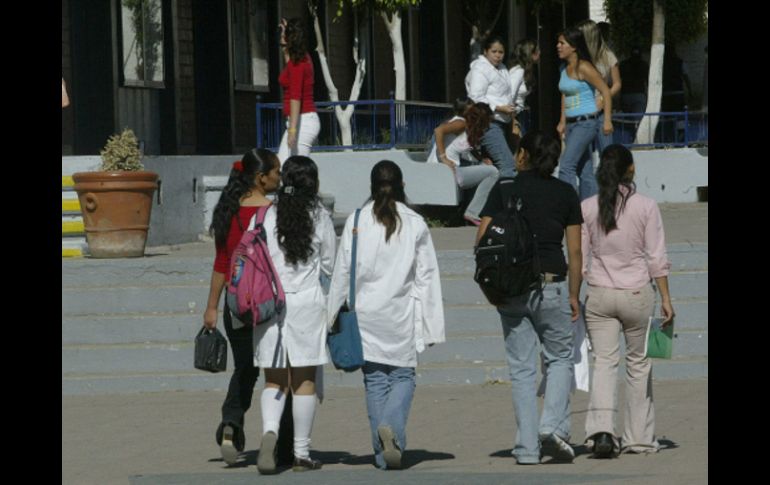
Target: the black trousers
pixel 241 391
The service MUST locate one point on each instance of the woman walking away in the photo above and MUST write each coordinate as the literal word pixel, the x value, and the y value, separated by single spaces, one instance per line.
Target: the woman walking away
pixel 488 82
pixel 579 117
pixel 524 55
pixel 624 249
pixel 251 179
pixel 301 240
pixel 398 303
pixel 480 175
pixel 543 314
pixel 296 80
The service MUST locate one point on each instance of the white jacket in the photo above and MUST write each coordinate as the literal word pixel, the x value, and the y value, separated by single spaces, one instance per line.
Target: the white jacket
pixel 398 290
pixel 486 83
pixel 519 89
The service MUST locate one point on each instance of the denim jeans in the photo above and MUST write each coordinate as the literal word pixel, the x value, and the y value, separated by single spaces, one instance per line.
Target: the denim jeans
pixel 482 175
pixel 602 141
pixel 389 393
pixel 576 162
pixel 495 144
pixel 526 319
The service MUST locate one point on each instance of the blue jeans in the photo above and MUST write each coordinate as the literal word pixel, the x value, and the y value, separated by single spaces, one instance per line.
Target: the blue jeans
pixel 602 141
pixel 526 319
pixel 389 393
pixel 496 145
pixel 576 162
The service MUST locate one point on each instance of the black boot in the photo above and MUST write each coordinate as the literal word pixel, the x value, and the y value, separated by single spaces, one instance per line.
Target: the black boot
pixel 604 447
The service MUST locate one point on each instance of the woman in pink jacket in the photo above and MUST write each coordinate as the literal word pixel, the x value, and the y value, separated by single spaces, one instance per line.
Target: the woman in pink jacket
pixel 623 239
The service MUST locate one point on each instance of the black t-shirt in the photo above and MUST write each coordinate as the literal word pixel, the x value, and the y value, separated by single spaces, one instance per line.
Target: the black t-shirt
pixel 550 206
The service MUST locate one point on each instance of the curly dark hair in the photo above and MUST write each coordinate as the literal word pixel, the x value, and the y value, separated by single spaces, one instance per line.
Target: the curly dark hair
pixel 239 185
pixel 387 189
pixel 544 149
pixel 296 39
pixel 610 176
pixel 297 202
pixel 477 119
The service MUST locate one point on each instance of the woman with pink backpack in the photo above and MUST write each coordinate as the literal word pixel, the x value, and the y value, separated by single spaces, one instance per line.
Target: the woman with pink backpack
pixel 251 179
pixel 301 240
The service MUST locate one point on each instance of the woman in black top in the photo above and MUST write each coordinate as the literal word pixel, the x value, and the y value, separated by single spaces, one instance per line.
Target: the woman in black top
pixel 545 314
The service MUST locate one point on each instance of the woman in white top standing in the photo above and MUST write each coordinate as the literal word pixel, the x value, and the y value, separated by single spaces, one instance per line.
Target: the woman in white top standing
pixel 398 304
pixel 606 63
pixel 524 55
pixel 488 82
pixel 301 240
pixel 481 175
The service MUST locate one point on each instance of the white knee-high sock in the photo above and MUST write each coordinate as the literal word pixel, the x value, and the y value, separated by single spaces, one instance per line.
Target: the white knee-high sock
pixel 303 408
pixel 273 401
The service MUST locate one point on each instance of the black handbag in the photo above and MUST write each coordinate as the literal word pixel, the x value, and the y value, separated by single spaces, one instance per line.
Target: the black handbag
pixel 210 350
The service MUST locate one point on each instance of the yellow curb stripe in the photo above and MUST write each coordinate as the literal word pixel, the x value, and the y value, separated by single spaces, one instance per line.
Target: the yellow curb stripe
pixel 70 205
pixel 66 181
pixel 72 227
pixel 71 253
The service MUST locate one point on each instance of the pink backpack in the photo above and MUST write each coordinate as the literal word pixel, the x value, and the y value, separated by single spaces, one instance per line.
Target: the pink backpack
pixel 255 294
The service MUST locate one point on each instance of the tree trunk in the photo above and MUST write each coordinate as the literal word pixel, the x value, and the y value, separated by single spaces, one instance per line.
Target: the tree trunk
pixel 343 115
pixel 394 30
pixel 646 132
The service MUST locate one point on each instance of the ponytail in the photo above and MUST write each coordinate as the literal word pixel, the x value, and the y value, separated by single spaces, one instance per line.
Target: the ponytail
pixel 611 176
pixel 387 189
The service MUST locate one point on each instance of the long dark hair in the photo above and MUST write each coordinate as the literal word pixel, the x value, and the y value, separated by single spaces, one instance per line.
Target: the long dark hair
pixel 477 119
pixel 296 39
pixel 576 39
pixel 297 202
pixel 521 55
pixel 387 189
pixel 611 176
pixel 239 185
pixel 544 149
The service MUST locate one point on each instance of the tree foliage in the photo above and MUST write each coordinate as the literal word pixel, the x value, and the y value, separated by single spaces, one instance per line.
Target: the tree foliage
pixel 631 22
pixel 387 6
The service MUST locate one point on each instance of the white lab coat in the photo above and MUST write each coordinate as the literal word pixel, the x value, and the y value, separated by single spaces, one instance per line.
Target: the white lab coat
pixel 486 83
pixel 301 335
pixel 398 290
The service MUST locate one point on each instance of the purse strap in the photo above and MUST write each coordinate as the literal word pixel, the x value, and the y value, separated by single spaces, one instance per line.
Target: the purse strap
pixel 352 293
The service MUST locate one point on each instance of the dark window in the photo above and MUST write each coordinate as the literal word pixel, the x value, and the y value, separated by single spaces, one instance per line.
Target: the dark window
pixel 142 42
pixel 250 49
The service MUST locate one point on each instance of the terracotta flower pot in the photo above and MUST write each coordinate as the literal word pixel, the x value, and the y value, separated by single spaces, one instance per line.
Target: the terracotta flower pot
pixel 116 211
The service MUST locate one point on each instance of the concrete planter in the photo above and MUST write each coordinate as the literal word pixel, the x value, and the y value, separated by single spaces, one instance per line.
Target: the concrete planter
pixel 116 211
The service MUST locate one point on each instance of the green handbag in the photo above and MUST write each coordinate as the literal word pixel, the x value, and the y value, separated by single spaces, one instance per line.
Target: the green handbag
pixel 659 340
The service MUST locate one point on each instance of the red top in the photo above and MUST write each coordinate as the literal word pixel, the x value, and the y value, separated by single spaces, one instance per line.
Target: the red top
pixel 222 261
pixel 296 79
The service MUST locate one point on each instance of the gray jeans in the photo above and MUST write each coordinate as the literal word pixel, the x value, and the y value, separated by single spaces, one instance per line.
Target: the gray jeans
pixel 482 175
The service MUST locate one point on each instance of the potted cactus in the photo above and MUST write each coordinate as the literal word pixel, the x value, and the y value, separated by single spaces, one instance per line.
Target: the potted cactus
pixel 116 201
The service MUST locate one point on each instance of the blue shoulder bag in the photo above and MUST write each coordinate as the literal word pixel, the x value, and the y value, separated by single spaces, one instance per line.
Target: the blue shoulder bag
pixel 344 340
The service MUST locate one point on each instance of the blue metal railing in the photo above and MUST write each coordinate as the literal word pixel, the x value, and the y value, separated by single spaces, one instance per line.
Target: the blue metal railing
pixel 387 123
pixel 674 129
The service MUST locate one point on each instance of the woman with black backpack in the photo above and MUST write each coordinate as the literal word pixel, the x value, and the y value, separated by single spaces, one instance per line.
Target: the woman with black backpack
pixel 544 312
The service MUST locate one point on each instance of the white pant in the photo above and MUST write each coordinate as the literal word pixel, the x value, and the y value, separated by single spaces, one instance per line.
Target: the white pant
pixel 308 128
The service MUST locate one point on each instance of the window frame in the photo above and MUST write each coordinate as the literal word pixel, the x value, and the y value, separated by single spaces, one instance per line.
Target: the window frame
pixel 136 83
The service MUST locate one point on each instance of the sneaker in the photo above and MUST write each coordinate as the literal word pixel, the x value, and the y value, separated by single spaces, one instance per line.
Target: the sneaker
pixel 390 450
pixel 603 446
pixel 227 448
pixel 473 220
pixel 554 446
pixel 266 459
pixel 305 464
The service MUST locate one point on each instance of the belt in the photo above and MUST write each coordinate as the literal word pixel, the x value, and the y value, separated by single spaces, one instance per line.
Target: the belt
pixel 583 117
pixel 553 278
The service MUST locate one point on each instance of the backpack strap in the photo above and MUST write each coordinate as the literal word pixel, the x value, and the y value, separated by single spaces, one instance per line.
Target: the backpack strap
pixel 259 216
pixel 352 291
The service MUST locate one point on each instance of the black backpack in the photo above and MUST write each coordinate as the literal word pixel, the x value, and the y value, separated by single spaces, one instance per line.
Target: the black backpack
pixel 507 262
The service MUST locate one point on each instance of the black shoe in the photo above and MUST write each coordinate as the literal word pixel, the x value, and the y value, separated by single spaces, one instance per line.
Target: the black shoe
pixel 604 447
pixel 556 447
pixel 305 464
pixel 266 459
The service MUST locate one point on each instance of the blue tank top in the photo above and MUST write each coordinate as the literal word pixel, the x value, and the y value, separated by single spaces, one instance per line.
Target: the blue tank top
pixel 579 96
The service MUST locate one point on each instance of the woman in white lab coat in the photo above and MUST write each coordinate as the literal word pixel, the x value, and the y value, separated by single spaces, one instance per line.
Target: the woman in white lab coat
pixel 301 240
pixel 398 303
